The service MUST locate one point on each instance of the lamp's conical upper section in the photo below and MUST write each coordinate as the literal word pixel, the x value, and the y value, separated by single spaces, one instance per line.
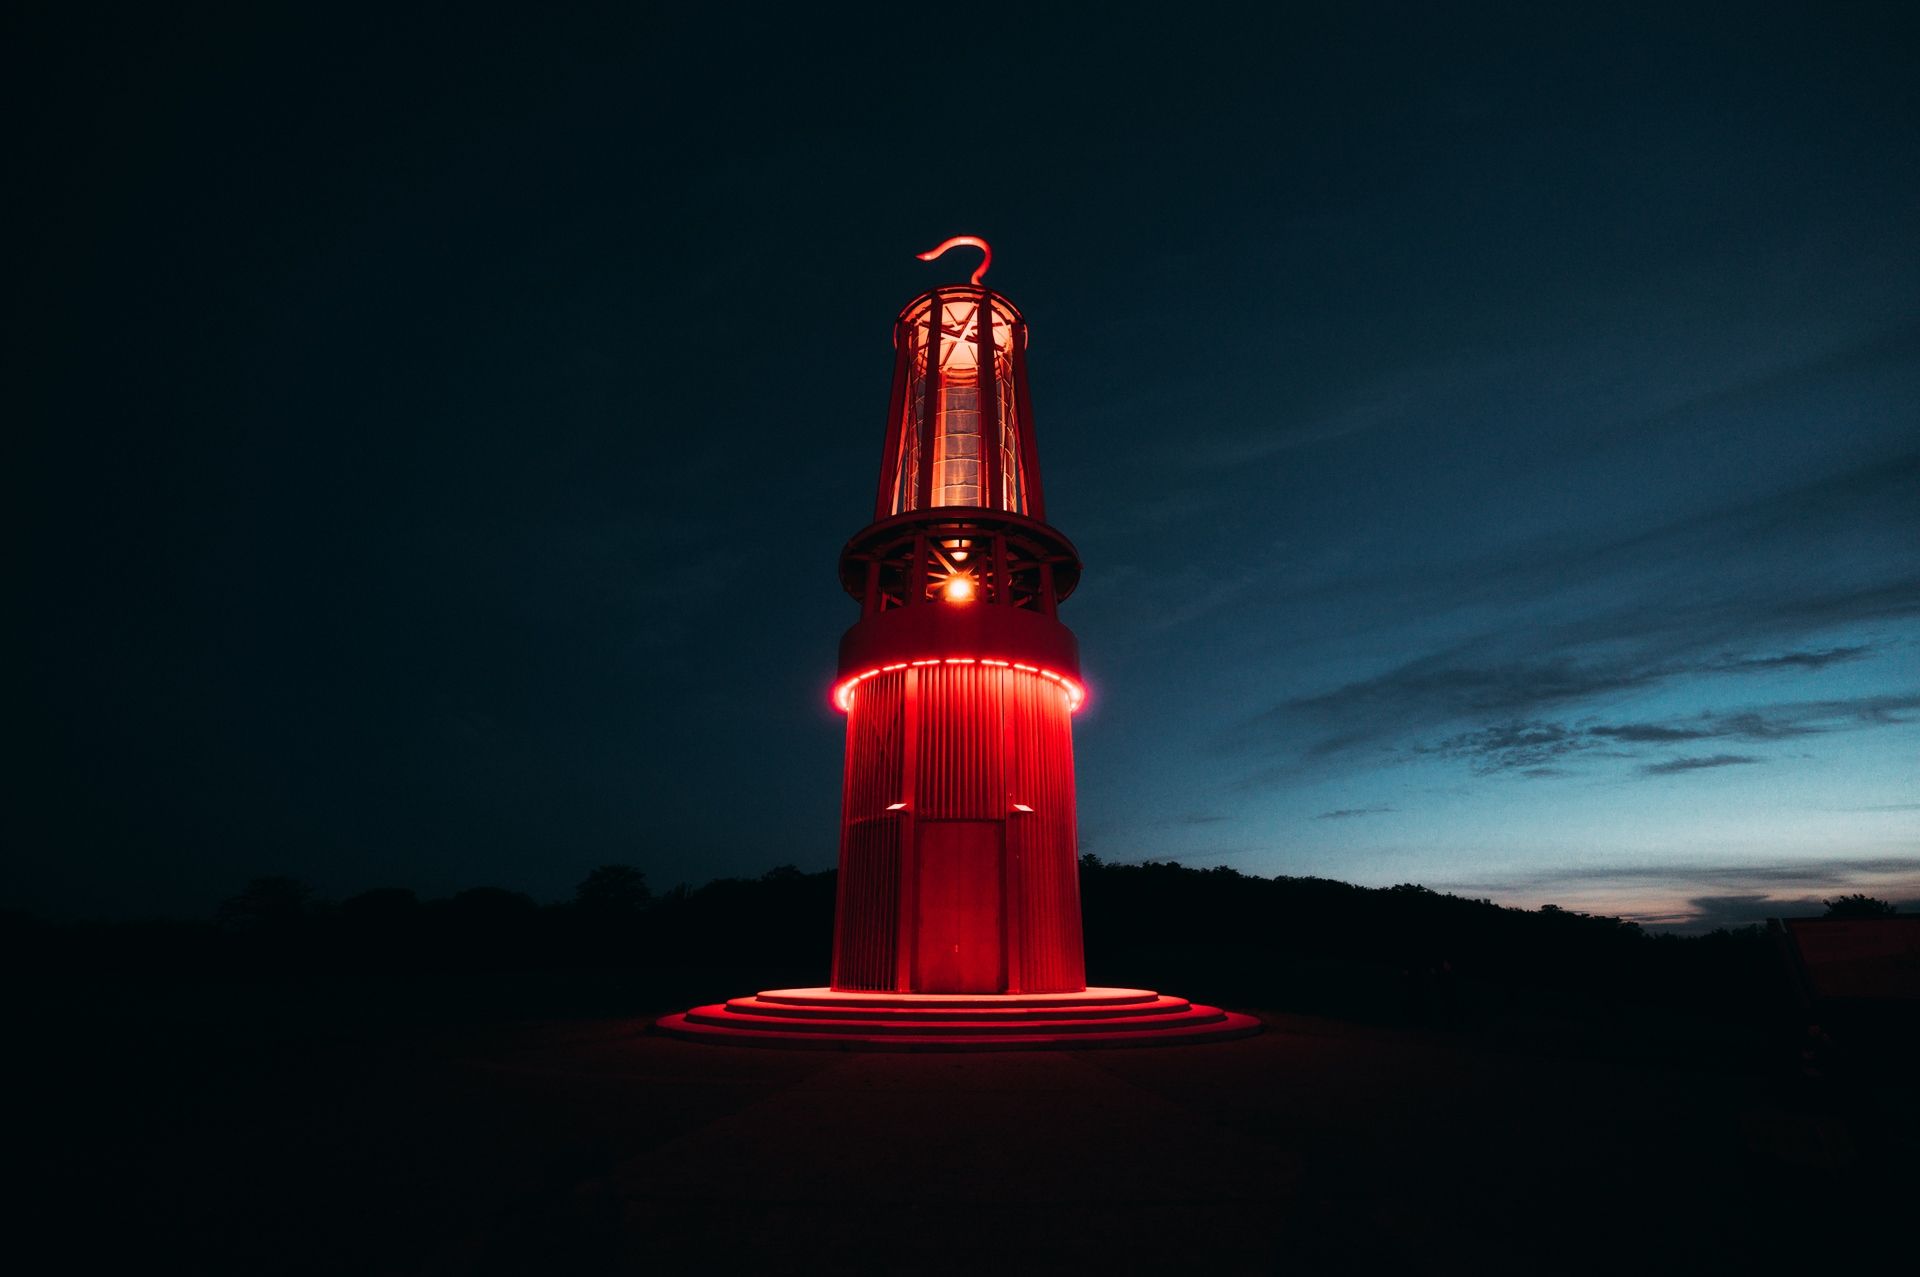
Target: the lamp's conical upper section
pixel 959 559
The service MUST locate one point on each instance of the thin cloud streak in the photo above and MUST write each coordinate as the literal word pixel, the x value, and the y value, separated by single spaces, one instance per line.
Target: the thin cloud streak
pixel 1676 766
pixel 1835 872
pixel 1348 813
pixel 1540 748
pixel 1799 660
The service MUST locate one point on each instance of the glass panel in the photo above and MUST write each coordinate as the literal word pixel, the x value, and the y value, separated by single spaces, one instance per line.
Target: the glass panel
pixel 957 454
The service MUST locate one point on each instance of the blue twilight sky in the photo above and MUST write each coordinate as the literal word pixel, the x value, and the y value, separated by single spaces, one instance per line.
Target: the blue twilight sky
pixel 1493 437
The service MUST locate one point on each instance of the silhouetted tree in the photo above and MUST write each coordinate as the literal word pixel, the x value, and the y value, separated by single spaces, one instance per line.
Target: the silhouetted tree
pixel 492 904
pixel 267 904
pixel 489 927
pixel 1859 905
pixel 613 890
pixel 384 925
pixel 381 904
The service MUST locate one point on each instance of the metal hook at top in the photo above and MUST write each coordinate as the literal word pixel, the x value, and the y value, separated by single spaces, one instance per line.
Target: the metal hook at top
pixel 963 241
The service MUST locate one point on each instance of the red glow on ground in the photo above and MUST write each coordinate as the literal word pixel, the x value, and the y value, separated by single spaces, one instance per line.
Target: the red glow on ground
pixel 843 691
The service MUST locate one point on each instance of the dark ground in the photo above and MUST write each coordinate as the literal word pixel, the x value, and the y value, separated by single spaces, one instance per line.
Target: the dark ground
pixel 333 1128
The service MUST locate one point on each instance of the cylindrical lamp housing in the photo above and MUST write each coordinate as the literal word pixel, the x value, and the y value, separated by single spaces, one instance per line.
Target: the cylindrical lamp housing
pixel 962 436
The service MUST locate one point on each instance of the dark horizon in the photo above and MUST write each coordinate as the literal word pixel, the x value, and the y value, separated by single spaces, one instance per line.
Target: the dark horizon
pixel 317 903
pixel 1489 437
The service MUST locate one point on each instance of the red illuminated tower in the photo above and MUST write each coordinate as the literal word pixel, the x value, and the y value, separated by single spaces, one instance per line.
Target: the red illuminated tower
pixel 958 872
pixel 958 918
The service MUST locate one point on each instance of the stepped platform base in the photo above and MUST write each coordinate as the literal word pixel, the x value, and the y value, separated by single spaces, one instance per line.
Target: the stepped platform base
pixel 832 1020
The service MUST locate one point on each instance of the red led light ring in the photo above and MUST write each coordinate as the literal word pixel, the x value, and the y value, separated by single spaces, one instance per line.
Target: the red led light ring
pixel 843 691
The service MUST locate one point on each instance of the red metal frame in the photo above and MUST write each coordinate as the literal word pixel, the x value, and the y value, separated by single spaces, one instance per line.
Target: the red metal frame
pixel 1023 415
pixel 929 403
pixel 896 418
pixel 991 431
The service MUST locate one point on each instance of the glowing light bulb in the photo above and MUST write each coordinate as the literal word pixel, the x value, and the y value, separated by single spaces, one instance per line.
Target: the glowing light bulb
pixel 958 589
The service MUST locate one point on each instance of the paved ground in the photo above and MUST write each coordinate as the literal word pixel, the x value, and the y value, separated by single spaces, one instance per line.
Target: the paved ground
pixel 592 1146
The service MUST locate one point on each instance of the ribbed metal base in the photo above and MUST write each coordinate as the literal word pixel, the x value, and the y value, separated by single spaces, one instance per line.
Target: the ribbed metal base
pixel 826 1019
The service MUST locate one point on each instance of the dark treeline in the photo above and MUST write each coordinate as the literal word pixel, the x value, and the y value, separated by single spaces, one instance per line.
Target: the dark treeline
pixel 1303 944
pixel 1404 952
pixel 627 946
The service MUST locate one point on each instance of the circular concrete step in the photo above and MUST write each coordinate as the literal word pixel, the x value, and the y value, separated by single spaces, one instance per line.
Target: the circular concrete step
pixel 969 1013
pixel 823 997
pixel 825 1019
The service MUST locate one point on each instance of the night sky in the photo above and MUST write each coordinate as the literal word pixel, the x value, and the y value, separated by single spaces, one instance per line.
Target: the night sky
pixel 1492 437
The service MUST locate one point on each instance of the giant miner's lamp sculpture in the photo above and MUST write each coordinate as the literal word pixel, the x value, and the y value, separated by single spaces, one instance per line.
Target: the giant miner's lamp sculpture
pixel 958 920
